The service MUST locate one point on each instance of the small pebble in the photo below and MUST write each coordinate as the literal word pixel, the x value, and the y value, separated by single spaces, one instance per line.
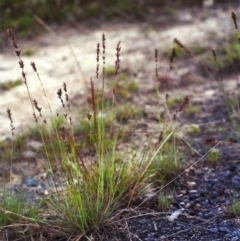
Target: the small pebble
pixel 30 182
pixel 193 191
pixel 198 205
pixel 214 230
pixel 191 185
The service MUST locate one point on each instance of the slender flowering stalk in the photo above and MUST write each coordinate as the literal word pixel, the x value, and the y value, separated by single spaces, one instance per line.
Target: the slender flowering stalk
pixel 173 55
pixel 11 121
pixel 103 61
pixel 117 62
pixel 18 53
pixel 66 96
pixel 35 103
pixel 156 64
pixel 183 47
pixel 97 58
pixel 21 64
pixel 181 107
pixel 234 18
pixel 59 94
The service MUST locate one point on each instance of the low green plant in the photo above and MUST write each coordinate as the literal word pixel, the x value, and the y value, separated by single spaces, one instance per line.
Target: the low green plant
pixel 13 209
pixel 172 103
pixel 194 129
pixel 130 112
pixel 29 52
pixel 192 110
pixel 10 84
pixel 195 49
pixel 7 152
pixel 234 209
pixel 213 156
pixel 164 201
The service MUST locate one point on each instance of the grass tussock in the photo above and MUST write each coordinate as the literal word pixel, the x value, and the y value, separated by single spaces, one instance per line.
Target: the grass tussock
pixel 89 190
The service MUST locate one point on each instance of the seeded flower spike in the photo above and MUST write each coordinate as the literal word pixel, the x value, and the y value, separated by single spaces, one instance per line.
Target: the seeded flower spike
pixel 59 94
pixel 35 103
pixel 117 62
pixel 97 58
pixel 234 18
pixel 18 53
pixel 181 107
pixel 156 63
pixel 173 55
pixel 11 121
pixel 14 40
pixel 66 95
pixel 103 57
pixel 34 66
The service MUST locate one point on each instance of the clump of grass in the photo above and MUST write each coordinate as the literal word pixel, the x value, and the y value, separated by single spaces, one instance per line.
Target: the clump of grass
pixel 13 209
pixel 92 189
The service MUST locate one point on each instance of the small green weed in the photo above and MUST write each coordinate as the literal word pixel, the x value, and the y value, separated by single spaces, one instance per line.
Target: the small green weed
pixel 234 209
pixel 191 110
pixel 29 52
pixel 10 84
pixel 194 129
pixel 164 201
pixel 213 156
pixel 172 103
pixel 13 209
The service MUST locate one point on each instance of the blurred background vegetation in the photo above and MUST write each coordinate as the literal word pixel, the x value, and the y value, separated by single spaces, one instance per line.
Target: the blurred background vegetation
pixel 24 15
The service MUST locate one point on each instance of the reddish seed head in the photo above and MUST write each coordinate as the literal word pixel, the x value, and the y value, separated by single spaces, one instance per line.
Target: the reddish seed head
pixel 59 93
pixel 89 116
pixel 117 62
pixel 35 117
pixel 21 64
pixel 103 41
pixel 33 66
pixel 12 35
pixel 104 47
pixel 24 76
pixel 183 47
pixel 98 52
pixel 18 52
pixel 64 87
pixel 214 54
pixel 35 103
pixel 167 97
pixel 234 18
pixel 181 107
pixel 11 121
pixel 173 55
pixel 66 97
